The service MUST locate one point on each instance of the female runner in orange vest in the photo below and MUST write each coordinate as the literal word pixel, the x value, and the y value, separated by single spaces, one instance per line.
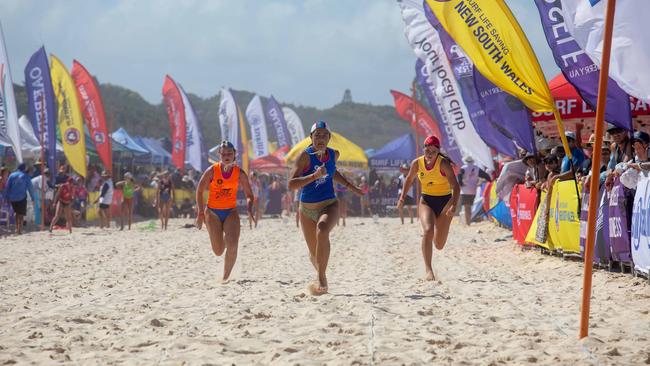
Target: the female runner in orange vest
pixel 440 194
pixel 220 215
pixel 314 174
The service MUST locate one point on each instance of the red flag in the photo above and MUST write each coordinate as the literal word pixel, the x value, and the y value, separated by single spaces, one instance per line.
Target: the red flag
pixel 426 125
pixel 93 111
pixel 176 112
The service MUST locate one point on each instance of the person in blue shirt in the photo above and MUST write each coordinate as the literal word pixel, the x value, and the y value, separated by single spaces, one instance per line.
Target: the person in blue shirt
pixel 314 175
pixel 18 185
pixel 578 156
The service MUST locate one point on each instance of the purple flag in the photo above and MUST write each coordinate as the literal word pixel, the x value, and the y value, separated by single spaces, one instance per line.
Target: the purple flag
pixel 448 141
pixel 620 209
pixel 578 68
pixel 584 212
pixel 41 105
pixel 506 111
pixel 462 68
pixel 275 115
pixel 601 248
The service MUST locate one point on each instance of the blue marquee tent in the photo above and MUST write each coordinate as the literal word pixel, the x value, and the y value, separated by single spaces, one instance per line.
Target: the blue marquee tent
pixel 393 154
pixel 158 154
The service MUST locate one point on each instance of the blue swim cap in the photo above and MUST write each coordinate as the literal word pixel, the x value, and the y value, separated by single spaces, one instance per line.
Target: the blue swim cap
pixel 319 124
pixel 227 144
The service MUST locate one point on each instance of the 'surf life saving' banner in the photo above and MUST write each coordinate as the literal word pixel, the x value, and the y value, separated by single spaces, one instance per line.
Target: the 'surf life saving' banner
pixel 275 116
pixel 294 125
pixel 641 225
pixel 228 119
pixel 257 123
pixel 491 37
pixel 447 138
pixel 578 68
pixel 630 59
pixel 69 117
pixel 405 105
pixel 176 113
pixel 9 128
pixel 463 71
pixel 506 110
pixel 195 154
pixel 93 111
pixel 426 44
pixel 619 225
pixel 41 104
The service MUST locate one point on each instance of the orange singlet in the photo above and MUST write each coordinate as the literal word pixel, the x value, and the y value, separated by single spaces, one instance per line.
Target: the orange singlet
pixel 223 191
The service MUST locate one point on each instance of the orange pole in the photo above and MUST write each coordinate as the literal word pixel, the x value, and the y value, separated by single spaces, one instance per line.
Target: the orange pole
pixel 595 169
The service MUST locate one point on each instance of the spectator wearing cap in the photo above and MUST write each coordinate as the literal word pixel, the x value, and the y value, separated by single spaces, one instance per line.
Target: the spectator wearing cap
pixel 105 200
pixel 641 142
pixel 535 172
pixel 621 148
pixel 18 185
pixel 468 178
pixel 409 200
pixel 577 155
pixel 589 150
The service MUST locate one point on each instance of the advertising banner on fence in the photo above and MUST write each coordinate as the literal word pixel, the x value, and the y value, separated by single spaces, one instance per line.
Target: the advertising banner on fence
pixel 523 204
pixel 539 224
pixel 564 217
pixel 620 203
pixel 641 225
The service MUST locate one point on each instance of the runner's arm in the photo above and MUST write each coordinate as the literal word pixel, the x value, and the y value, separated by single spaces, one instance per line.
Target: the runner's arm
pixel 203 183
pixel 297 181
pixel 453 182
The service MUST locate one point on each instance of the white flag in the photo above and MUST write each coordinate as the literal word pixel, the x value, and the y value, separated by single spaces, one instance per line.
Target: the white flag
pixel 425 42
pixel 294 124
pixel 257 122
pixel 9 128
pixel 194 154
pixel 630 58
pixel 228 119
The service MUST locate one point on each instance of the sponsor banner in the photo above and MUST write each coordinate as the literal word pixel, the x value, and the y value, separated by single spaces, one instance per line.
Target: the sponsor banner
pixel 69 117
pixel 92 108
pixel 176 113
pixel 620 210
pixel 41 104
pixel 294 125
pixel 641 225
pixel 406 107
pixel 9 128
pixel 523 204
pixel 538 232
pixel 257 123
pixel 195 153
pixel 564 217
pixel 275 116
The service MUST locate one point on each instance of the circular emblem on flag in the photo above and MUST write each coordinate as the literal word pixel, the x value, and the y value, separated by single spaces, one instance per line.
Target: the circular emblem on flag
pixel 72 136
pixel 99 137
pixel 219 181
pixel 421 174
pixel 178 145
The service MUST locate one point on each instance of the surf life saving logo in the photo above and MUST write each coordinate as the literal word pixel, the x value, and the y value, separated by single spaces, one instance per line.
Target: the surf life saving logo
pixel 72 136
pixel 99 137
pixel 178 145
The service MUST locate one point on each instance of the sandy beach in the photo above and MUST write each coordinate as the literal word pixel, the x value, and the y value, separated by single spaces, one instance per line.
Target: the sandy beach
pixel 152 297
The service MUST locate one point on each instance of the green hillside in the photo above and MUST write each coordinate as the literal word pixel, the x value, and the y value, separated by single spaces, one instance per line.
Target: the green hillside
pixel 368 125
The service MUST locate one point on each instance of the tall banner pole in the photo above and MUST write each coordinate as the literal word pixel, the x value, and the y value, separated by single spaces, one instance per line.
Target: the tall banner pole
pixel 595 169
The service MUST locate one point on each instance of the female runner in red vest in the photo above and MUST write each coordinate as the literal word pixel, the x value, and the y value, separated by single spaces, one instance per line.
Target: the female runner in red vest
pixel 220 215
pixel 314 174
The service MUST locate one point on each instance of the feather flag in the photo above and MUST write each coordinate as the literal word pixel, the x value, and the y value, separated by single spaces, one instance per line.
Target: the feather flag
pixel 176 113
pixel 242 151
pixel 69 117
pixel 276 117
pixel 257 123
pixel 9 128
pixel 195 154
pixel 228 119
pixel 41 104
pixel 93 111
pixel 294 125
pixel 405 106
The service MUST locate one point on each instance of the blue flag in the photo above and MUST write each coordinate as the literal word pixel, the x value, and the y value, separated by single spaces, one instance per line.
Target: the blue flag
pixel 41 104
pixel 578 67
pixel 275 115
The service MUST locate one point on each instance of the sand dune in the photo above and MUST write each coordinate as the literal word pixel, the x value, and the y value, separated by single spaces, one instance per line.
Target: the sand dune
pixel 151 297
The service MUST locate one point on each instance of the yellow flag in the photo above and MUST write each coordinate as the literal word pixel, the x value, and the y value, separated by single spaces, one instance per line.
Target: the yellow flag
pixel 244 140
pixel 490 35
pixel 69 117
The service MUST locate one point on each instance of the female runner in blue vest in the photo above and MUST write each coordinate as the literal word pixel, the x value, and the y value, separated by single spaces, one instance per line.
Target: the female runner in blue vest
pixel 315 173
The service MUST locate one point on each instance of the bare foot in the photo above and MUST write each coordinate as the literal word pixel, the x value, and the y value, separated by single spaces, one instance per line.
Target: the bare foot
pixel 224 281
pixel 430 276
pixel 316 290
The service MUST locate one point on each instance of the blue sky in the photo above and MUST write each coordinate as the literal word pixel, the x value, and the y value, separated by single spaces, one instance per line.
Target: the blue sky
pixel 303 52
